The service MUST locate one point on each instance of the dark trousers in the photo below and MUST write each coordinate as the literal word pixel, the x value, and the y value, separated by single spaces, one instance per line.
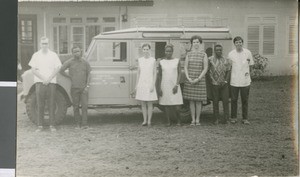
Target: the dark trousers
pixel 43 93
pixel 234 100
pixel 222 92
pixel 80 97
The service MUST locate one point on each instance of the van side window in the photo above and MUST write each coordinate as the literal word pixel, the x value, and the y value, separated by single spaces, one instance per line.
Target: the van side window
pixel 108 51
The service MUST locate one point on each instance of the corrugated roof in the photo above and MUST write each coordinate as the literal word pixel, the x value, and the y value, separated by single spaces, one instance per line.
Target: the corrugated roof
pixel 85 0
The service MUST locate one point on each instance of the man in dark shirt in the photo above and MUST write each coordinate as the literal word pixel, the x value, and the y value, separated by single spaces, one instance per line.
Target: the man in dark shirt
pixel 79 72
pixel 219 72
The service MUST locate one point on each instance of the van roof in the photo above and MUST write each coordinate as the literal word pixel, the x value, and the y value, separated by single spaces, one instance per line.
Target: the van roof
pixel 163 32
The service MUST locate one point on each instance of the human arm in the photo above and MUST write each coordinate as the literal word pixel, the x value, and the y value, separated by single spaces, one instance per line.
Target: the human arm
pixel 88 76
pixel 34 67
pixel 154 77
pixel 186 63
pixel 159 79
pixel 55 71
pixel 36 72
pixel 62 70
pixel 175 88
pixel 57 65
pixel 204 71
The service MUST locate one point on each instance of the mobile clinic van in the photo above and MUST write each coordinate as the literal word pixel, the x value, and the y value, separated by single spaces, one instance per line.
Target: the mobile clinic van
pixel 113 58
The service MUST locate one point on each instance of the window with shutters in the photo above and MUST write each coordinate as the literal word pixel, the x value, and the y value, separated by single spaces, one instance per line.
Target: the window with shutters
pixel 261 34
pixel 292 35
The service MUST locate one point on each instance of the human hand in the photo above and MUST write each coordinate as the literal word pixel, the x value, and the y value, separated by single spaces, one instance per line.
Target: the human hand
pixel 151 88
pixel 160 93
pixel 190 80
pixel 86 88
pixel 195 81
pixel 175 89
pixel 46 82
pixel 133 93
pixel 223 83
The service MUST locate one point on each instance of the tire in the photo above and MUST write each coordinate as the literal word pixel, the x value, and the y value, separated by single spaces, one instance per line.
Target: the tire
pixel 61 107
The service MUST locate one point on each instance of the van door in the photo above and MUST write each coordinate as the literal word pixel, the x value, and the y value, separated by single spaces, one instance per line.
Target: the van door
pixel 110 82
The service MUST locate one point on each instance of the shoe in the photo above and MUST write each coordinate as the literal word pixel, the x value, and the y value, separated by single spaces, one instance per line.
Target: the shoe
pixel 144 124
pixel 216 122
pixel 85 127
pixel 246 122
pixel 39 129
pixel 149 124
pixel 52 129
pixel 192 124
pixel 224 121
pixel 198 124
pixel 233 120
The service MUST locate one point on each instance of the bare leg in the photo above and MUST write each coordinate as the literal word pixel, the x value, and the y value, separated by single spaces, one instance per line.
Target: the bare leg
pixel 144 110
pixel 150 111
pixel 193 110
pixel 177 114
pixel 167 111
pixel 198 111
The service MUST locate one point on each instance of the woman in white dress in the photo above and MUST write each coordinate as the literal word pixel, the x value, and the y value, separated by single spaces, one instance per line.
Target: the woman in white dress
pixel 145 87
pixel 168 84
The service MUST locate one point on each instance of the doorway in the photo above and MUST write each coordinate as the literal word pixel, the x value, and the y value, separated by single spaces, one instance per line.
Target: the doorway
pixel 27 39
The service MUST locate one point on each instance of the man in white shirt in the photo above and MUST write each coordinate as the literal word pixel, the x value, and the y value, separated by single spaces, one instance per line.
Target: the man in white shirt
pixel 45 64
pixel 241 60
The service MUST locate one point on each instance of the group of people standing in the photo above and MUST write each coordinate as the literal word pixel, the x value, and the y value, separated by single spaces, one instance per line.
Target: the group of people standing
pixel 227 76
pixel 231 73
pixel 45 65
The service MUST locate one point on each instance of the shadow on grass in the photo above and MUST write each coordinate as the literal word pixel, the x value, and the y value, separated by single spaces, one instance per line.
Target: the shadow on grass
pixel 134 117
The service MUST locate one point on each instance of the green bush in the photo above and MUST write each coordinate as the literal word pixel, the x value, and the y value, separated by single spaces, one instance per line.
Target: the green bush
pixel 259 67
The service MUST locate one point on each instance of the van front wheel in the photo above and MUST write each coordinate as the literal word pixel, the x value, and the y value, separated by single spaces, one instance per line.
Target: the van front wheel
pixel 61 107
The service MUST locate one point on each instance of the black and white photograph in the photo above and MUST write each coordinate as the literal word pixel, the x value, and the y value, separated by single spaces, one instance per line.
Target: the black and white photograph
pixel 179 88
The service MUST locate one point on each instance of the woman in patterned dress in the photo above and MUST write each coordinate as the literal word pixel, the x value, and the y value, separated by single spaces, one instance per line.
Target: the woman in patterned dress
pixel 196 65
pixel 145 87
pixel 168 84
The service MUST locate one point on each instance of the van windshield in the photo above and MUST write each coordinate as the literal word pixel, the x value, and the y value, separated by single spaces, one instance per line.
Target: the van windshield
pixel 108 51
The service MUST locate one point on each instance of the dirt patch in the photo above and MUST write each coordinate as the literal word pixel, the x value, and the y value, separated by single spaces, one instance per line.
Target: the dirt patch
pixel 117 144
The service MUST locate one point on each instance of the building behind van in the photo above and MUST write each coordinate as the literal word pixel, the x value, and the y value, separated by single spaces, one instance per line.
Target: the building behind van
pixel 269 27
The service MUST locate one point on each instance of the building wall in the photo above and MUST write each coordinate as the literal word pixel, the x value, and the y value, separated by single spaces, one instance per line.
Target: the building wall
pixel 235 11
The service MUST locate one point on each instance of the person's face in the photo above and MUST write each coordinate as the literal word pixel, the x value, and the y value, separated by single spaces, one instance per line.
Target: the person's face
pixel 238 44
pixel 169 52
pixel 218 51
pixel 196 43
pixel 146 51
pixel 76 52
pixel 44 45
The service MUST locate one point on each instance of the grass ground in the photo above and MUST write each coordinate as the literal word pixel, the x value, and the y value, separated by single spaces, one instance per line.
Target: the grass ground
pixel 118 146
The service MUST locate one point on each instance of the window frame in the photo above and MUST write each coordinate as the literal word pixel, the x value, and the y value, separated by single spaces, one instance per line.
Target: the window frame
pixel 288 22
pixel 108 63
pixel 57 26
pixel 261 23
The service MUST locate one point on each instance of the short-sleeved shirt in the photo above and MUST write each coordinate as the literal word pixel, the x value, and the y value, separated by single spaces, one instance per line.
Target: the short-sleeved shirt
pixel 218 67
pixel 78 71
pixel 45 63
pixel 240 71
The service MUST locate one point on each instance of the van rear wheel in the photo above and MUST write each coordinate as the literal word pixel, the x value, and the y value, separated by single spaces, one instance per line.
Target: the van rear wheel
pixel 61 107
